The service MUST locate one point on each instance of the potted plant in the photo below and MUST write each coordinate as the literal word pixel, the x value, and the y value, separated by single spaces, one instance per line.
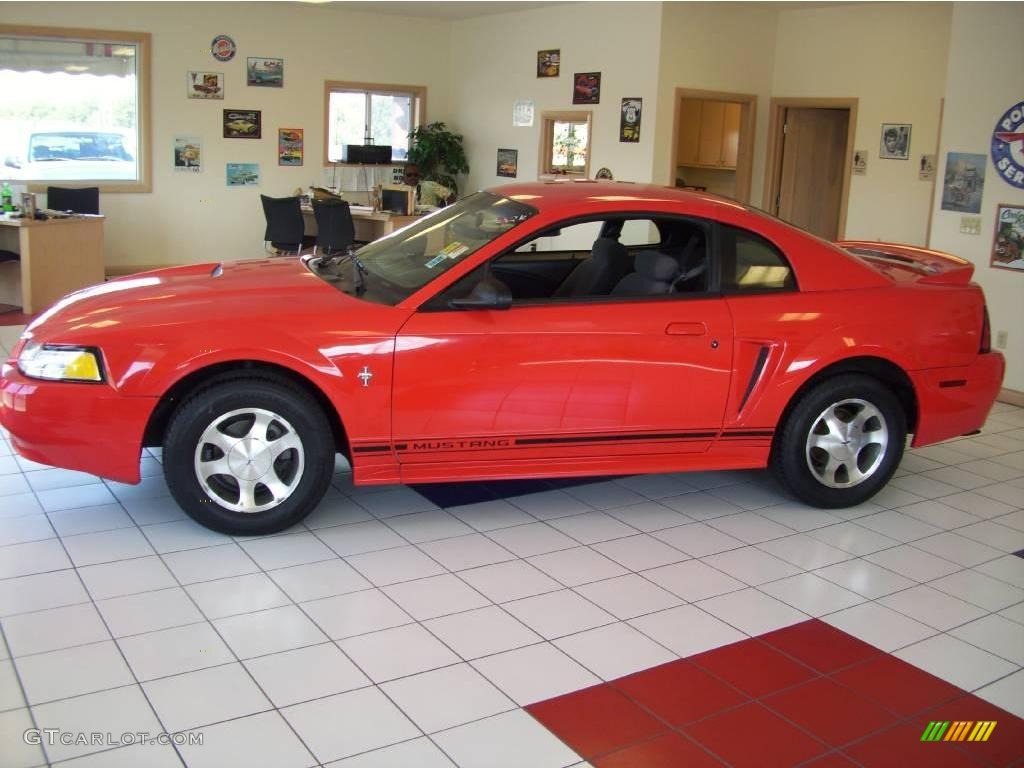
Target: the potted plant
pixel 438 153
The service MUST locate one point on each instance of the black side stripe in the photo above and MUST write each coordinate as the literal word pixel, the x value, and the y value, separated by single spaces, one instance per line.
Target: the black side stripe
pixel 614 438
pixel 762 358
pixel 749 433
pixel 371 448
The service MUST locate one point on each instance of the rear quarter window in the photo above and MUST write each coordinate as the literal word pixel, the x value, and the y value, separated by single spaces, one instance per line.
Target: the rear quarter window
pixel 750 263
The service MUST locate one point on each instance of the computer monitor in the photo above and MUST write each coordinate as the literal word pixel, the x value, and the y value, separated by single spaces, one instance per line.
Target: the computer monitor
pixel 398 198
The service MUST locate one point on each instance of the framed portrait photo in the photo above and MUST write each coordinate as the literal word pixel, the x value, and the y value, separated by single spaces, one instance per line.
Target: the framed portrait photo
pixel 895 142
pixel 264 72
pixel 586 88
pixel 205 85
pixel 243 124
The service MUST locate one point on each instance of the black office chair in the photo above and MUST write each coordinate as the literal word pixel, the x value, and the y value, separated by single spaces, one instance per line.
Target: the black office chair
pixel 285 226
pixel 9 256
pixel 335 230
pixel 80 200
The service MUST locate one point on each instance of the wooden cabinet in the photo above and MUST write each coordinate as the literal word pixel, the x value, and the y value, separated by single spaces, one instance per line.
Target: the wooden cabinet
pixel 709 133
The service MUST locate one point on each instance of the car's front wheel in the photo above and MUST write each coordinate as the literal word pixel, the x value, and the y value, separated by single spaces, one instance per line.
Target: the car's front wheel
pixel 248 456
pixel 841 443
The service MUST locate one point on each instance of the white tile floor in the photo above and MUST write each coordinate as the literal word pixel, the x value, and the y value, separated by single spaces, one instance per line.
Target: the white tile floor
pixel 388 632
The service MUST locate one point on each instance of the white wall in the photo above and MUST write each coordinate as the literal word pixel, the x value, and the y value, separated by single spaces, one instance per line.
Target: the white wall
pixel 983 81
pixel 715 47
pixel 892 57
pixel 191 218
pixel 494 63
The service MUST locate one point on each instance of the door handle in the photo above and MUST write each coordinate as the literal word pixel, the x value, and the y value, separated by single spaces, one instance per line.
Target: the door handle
pixel 686 329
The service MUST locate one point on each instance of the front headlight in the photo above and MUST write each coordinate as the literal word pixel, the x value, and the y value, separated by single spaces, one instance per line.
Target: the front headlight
pixel 60 363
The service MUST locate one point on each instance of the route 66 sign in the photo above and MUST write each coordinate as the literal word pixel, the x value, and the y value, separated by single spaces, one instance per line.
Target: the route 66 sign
pixel 1008 145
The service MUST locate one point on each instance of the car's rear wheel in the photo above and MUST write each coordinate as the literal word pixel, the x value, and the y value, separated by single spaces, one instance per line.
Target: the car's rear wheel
pixel 841 442
pixel 248 456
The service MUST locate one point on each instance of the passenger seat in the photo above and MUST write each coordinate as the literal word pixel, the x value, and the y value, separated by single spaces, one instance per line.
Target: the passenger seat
pixel 655 274
pixel 597 275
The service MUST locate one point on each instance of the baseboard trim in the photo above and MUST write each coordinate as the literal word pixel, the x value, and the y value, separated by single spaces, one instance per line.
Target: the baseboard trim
pixel 1011 396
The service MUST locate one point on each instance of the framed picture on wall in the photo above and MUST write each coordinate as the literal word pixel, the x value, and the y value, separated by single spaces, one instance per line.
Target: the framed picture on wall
pixel 895 141
pixel 264 72
pixel 188 154
pixel 205 85
pixel 548 63
pixel 243 174
pixel 508 163
pixel 1008 243
pixel 586 88
pixel 243 124
pixel 629 120
pixel 290 146
pixel 963 182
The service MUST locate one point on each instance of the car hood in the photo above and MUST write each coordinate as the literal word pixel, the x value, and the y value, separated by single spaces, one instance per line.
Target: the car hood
pixel 211 293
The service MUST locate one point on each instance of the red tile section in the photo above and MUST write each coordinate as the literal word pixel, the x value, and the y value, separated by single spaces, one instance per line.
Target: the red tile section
pixel 896 685
pixel 680 692
pixel 668 751
pixel 830 711
pixel 596 720
pixel 754 668
pixel 808 695
pixel 820 646
pixel 755 737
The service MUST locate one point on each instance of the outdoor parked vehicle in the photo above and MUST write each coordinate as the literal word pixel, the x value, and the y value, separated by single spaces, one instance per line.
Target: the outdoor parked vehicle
pixel 534 330
pixel 68 155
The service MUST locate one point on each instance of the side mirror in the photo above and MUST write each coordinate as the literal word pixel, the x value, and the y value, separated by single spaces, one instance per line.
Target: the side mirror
pixel 487 294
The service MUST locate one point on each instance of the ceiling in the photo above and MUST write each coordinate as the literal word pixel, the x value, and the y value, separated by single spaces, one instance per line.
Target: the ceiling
pixel 437 10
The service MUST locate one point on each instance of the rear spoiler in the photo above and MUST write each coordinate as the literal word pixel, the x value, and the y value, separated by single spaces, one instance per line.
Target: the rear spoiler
pixel 935 267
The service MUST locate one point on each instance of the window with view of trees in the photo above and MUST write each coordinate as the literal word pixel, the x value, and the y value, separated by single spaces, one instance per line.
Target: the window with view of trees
pixel 73 106
pixel 565 140
pixel 369 114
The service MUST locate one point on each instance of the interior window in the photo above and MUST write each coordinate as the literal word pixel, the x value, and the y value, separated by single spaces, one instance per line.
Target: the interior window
pixel 751 263
pixel 612 258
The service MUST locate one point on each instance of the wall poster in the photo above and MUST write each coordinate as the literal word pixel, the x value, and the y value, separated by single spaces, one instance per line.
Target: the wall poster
pixel 629 119
pixel 964 182
pixel 1008 243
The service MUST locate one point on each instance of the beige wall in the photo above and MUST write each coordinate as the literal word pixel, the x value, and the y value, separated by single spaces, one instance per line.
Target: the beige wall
pixel 715 47
pixel 892 57
pixel 191 218
pixel 984 80
pixel 494 63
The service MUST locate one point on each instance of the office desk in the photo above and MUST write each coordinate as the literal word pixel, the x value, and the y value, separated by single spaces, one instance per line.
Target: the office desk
pixel 369 225
pixel 57 256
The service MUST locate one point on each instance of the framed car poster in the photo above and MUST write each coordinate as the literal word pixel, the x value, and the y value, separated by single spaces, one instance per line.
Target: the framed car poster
pixel 290 146
pixel 243 124
pixel 1008 243
pixel 586 88
pixel 205 85
pixel 264 72
pixel 964 182
pixel 188 154
pixel 629 120
pixel 508 163
pixel 243 174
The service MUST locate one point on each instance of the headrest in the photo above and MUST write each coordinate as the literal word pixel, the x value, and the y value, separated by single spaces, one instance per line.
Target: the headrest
pixel 607 248
pixel 656 266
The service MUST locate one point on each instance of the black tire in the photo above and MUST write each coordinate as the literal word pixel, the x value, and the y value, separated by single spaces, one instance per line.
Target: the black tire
pixel 307 468
pixel 817 476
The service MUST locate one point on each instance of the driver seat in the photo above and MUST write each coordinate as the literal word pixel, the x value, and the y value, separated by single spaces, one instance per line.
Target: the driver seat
pixel 597 275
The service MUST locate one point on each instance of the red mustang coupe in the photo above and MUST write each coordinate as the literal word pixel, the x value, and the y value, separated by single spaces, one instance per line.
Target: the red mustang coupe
pixel 534 330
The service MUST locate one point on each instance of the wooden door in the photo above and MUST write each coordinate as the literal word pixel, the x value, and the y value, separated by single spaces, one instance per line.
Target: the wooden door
pixel 731 133
pixel 689 131
pixel 813 160
pixel 712 118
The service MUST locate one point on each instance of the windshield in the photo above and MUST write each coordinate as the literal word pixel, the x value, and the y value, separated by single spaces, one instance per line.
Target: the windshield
pixel 401 263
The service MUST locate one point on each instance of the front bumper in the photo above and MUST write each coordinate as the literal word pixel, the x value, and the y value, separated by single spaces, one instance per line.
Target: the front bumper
pixel 87 427
pixel 954 401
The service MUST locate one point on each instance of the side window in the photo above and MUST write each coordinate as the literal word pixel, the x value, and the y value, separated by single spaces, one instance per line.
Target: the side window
pixel 751 263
